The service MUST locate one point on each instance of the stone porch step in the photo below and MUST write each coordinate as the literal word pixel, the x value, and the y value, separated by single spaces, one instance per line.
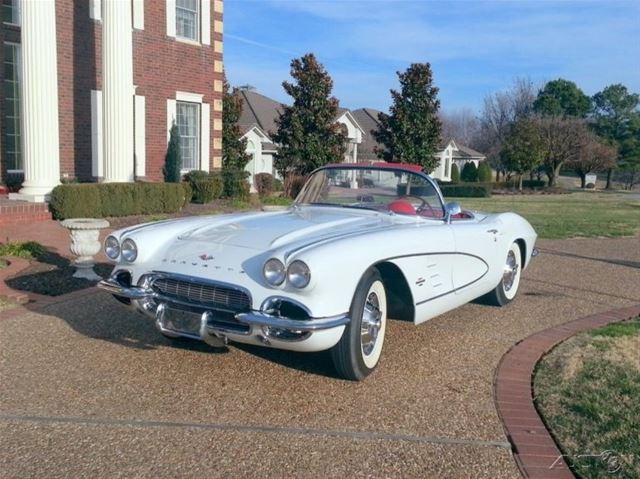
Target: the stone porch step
pixel 14 212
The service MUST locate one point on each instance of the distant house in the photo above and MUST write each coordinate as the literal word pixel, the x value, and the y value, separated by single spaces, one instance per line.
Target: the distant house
pixel 449 152
pixel 258 123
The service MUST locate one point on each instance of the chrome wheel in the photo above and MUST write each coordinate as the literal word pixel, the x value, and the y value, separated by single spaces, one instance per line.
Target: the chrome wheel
pixel 510 271
pixel 371 323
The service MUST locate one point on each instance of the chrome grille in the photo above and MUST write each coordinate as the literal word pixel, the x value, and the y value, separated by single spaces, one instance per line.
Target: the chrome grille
pixel 202 294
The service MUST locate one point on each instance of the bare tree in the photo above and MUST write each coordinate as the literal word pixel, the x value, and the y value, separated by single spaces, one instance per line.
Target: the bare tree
pixel 462 125
pixel 593 156
pixel 563 141
pixel 500 112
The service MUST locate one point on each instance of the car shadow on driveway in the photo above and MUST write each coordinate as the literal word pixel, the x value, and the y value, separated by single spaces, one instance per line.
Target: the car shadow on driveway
pixel 318 363
pixel 98 316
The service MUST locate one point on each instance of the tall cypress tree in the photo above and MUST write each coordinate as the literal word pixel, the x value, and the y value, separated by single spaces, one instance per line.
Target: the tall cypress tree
pixel 308 134
pixel 234 156
pixel 173 157
pixel 410 133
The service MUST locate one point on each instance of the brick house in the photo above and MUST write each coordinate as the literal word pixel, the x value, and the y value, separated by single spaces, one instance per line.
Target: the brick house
pixel 92 87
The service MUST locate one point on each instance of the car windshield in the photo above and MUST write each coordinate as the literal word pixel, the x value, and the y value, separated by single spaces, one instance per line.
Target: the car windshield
pixel 398 191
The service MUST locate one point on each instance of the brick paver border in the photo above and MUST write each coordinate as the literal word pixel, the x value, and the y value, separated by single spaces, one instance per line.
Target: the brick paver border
pixel 535 451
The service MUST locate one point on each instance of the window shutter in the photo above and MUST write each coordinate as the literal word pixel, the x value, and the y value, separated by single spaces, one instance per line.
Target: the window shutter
pixel 171 18
pixel 171 116
pixel 95 9
pixel 140 139
pixel 206 22
pixel 205 132
pixel 138 14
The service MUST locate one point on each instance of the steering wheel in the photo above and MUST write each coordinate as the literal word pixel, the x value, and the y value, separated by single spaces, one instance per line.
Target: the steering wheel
pixel 422 205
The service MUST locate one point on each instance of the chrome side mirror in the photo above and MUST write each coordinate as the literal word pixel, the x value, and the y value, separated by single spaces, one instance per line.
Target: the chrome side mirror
pixel 452 209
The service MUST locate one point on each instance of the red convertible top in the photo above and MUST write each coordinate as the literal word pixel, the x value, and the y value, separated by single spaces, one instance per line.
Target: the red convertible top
pixel 381 165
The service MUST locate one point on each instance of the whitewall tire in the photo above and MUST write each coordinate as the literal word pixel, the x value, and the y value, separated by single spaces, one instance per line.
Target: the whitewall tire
pixel 358 352
pixel 507 289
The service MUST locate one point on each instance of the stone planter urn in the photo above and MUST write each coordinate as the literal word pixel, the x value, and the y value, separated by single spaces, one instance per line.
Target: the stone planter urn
pixel 85 244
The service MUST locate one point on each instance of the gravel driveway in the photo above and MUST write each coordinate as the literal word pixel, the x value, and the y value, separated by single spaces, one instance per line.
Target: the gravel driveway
pixel 90 389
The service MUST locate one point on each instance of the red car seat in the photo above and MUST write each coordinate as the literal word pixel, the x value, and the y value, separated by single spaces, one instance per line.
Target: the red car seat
pixel 402 207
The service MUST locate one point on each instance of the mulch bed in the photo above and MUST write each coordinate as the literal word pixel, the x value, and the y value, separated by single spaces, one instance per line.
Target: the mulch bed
pixel 52 275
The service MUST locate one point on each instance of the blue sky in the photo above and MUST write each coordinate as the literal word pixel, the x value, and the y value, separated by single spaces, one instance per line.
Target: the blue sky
pixel 474 47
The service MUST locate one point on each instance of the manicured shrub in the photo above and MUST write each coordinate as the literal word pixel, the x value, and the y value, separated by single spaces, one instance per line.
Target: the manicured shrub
pixel 235 183
pixel 173 158
pixel 484 172
pixel 264 183
pixel 277 185
pixel 294 185
pixel 534 183
pixel 511 184
pixel 93 200
pixel 455 174
pixel 206 190
pixel 469 172
pixel 188 193
pixel 479 190
pixel 195 175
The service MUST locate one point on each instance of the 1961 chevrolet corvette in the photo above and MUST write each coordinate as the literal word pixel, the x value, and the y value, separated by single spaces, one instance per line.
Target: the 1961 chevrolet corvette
pixel 361 243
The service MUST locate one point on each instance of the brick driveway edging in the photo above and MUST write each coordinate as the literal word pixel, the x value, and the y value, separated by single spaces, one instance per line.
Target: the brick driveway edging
pixel 534 450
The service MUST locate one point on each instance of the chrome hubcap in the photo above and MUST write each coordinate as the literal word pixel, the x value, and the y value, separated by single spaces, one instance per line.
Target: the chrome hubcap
pixel 510 271
pixel 371 323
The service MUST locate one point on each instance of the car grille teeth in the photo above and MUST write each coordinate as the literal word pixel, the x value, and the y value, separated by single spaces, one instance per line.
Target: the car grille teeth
pixel 210 295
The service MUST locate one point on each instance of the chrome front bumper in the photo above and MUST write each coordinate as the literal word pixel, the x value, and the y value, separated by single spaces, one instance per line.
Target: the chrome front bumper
pixel 252 319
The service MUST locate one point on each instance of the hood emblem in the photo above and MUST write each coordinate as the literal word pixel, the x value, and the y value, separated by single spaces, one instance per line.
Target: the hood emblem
pixel 205 257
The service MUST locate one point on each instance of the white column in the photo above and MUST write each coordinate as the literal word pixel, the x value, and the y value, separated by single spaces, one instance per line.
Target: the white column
pixel 117 90
pixel 41 152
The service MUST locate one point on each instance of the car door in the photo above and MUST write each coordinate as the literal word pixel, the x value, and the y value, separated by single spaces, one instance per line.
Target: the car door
pixel 478 245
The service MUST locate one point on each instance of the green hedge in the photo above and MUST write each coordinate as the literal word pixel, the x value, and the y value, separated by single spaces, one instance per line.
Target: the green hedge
pixel 525 184
pixel 100 200
pixel 477 190
pixel 235 183
pixel 206 190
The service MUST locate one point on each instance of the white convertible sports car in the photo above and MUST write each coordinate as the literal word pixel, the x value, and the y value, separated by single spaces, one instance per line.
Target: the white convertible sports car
pixel 361 243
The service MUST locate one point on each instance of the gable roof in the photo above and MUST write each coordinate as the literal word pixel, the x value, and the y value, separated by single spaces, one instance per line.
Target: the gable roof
pixel 466 152
pixel 258 110
pixel 367 118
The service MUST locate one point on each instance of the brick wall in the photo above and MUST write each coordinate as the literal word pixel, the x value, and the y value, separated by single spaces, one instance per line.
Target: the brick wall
pixel 161 66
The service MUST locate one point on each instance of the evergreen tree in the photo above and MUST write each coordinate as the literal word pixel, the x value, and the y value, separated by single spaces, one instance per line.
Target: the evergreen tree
pixel 410 132
pixel 455 173
pixel 173 158
pixel 469 172
pixel 484 172
pixel 562 98
pixel 523 149
pixel 234 156
pixel 308 134
pixel 617 121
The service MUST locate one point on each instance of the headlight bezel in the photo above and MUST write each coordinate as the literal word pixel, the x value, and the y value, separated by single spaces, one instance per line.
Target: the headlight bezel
pixel 298 274
pixel 129 254
pixel 279 270
pixel 115 248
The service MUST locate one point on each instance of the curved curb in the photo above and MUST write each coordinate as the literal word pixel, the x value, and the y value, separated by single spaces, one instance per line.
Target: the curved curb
pixel 534 449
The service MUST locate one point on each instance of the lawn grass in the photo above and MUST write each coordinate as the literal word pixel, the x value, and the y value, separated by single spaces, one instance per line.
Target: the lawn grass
pixel 587 391
pixel 581 214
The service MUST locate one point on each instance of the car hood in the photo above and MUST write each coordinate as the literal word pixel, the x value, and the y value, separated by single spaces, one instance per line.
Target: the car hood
pixel 270 231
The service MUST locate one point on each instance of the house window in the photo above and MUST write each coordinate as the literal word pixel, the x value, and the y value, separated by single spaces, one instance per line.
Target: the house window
pixel 13 150
pixel 187 19
pixel 188 122
pixel 11 12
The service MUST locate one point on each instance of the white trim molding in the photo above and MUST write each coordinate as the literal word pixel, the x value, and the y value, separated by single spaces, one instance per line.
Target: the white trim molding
pixel 140 136
pixel 190 97
pixel 205 31
pixel 171 18
pixel 138 14
pixel 97 161
pixel 95 10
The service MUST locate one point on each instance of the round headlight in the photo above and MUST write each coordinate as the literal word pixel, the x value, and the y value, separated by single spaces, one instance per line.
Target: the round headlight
pixel 298 274
pixel 129 250
pixel 274 272
pixel 112 247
